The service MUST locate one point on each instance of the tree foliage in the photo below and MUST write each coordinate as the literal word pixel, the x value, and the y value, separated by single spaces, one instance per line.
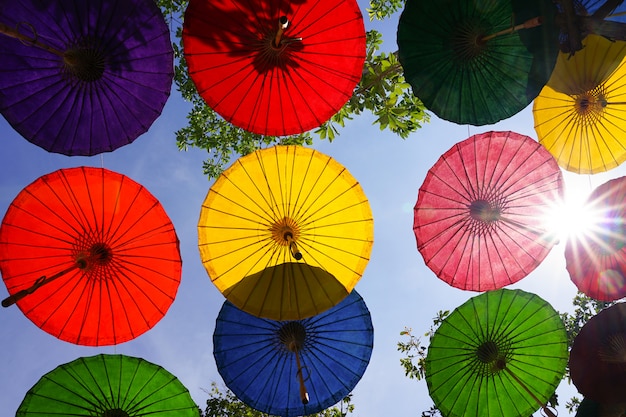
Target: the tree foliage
pixel 223 403
pixel 382 91
pixel 415 350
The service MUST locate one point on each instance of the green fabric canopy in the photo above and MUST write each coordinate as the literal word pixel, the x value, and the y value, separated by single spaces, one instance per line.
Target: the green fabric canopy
pixel 464 76
pixel 108 386
pixel 501 353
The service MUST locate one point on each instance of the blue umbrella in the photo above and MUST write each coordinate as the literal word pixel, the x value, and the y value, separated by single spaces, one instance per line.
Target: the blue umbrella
pixel 294 368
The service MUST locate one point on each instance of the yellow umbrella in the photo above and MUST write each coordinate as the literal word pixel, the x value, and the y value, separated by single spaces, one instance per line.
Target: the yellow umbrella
pixel 580 115
pixel 285 233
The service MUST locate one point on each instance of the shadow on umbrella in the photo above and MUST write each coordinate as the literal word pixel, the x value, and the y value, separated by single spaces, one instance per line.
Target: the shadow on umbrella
pixel 277 290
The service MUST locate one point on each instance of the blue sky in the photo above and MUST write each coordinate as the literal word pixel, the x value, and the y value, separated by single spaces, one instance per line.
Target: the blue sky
pixel 398 289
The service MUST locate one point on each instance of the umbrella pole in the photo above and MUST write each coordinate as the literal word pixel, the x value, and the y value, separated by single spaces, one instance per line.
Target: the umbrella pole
pixel 14 33
pixel 530 23
pixel 304 395
pixel 292 334
pixel 12 299
pixel 283 23
pixel 543 406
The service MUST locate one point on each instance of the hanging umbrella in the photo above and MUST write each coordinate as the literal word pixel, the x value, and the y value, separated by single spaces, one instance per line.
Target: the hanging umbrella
pixel 595 259
pixel 597 361
pixel 294 368
pixel 590 408
pixel 501 353
pixel 580 115
pixel 285 232
pixel 275 68
pixel 480 214
pixel 90 256
pixel 477 62
pixel 83 77
pixel 108 386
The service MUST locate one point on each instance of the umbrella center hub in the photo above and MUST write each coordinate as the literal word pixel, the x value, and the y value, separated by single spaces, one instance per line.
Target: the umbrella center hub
pixel 614 349
pixel 484 211
pixel 591 103
pixel 115 412
pixel 84 62
pixel 490 354
pixel 292 335
pixel 467 42
pixel 97 254
pixel 286 232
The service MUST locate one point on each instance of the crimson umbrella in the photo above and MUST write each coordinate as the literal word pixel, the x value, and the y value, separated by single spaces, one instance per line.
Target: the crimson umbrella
pixel 480 214
pixel 275 68
pixel 595 260
pixel 90 256
pixel 597 360
pixel 83 77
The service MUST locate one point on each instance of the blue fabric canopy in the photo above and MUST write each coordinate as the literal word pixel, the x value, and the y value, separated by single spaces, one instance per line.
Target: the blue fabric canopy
pixel 258 358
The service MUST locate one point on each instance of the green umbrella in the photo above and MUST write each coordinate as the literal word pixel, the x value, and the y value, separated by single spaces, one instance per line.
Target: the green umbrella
pixel 108 386
pixel 501 353
pixel 477 62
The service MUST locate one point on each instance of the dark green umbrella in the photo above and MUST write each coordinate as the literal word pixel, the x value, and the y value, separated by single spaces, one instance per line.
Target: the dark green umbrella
pixel 501 353
pixel 477 62
pixel 108 386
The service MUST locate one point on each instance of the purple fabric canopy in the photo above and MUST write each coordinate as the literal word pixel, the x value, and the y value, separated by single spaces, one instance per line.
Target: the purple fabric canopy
pixel 94 76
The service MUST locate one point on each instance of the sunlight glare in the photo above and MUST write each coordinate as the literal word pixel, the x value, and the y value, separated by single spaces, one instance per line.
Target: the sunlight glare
pixel 573 217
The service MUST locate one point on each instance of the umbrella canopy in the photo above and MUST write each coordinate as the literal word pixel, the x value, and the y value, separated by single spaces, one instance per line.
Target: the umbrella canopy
pixel 285 232
pixel 83 77
pixel 580 114
pixel 90 256
pixel 294 368
pixel 479 62
pixel 275 68
pixel 480 218
pixel 108 386
pixel 595 259
pixel 501 353
pixel 597 361
pixel 590 408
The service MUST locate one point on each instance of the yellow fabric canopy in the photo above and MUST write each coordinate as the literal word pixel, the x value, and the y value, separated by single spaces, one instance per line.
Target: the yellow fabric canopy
pixel 580 115
pixel 285 233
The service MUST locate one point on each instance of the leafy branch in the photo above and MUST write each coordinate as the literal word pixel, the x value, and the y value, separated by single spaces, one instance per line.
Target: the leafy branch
pixel 382 91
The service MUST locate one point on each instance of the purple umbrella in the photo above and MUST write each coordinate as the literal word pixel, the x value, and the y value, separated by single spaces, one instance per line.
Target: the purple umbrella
pixel 83 77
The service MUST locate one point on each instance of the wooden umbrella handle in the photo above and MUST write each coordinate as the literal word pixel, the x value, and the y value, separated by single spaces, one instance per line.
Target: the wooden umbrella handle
pixel 304 395
pixel 12 299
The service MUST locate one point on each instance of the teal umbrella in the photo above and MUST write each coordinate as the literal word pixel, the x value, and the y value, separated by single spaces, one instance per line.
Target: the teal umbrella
pixel 108 386
pixel 501 353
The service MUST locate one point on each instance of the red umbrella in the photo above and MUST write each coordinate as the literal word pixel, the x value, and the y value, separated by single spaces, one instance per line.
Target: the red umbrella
pixel 275 68
pixel 90 256
pixel 479 218
pixel 597 361
pixel 596 260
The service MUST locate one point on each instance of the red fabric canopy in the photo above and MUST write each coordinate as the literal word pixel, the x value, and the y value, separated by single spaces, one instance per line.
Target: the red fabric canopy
pixel 273 88
pixel 90 256
pixel 480 214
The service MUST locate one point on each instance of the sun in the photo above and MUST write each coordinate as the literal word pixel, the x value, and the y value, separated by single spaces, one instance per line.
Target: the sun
pixel 573 217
